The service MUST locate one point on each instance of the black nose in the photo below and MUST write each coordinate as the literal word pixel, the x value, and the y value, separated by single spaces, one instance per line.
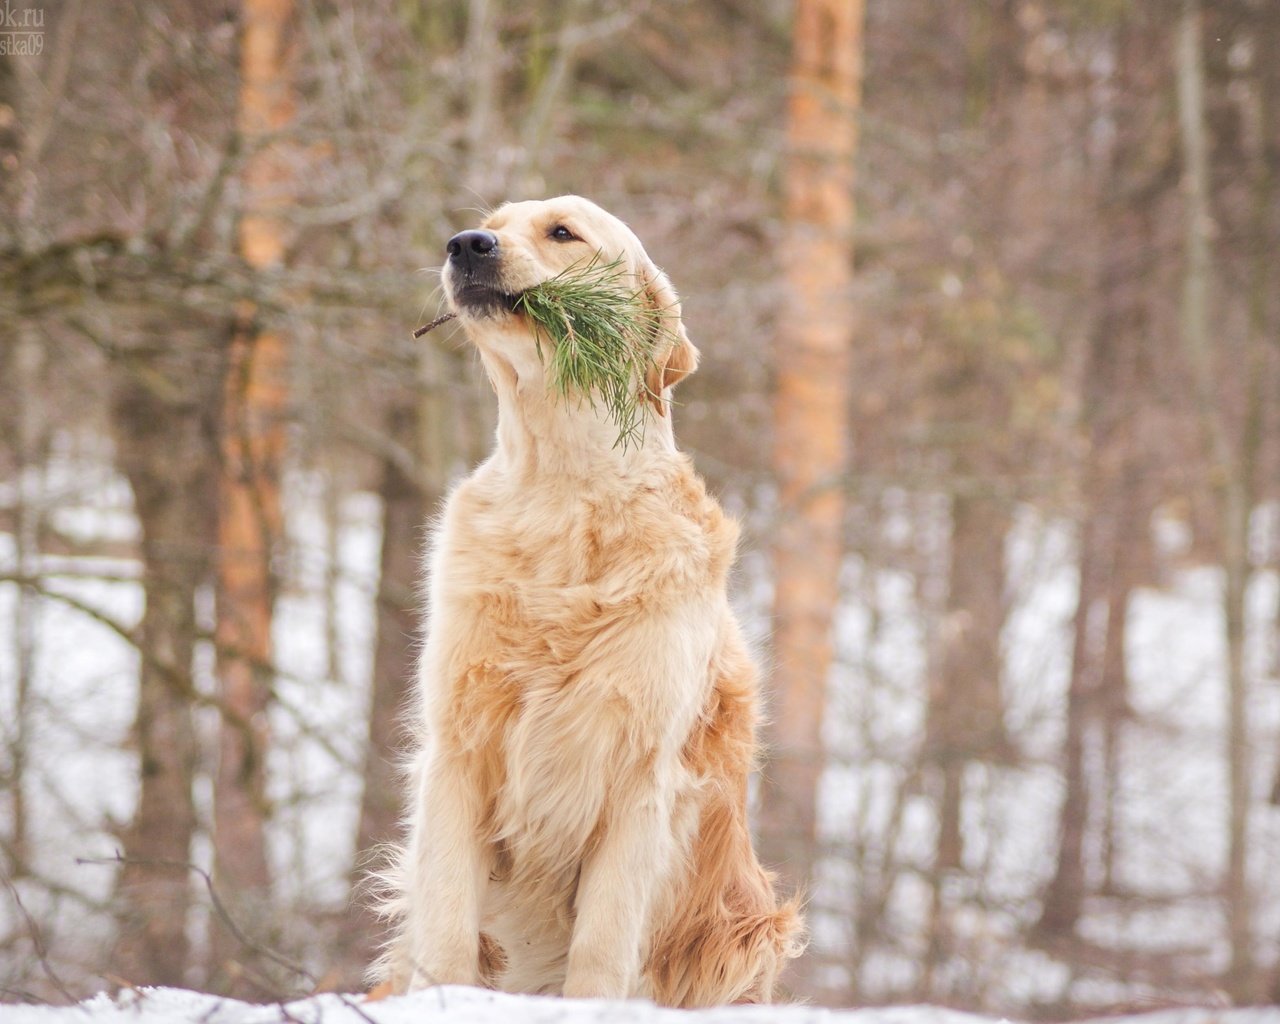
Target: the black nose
pixel 467 246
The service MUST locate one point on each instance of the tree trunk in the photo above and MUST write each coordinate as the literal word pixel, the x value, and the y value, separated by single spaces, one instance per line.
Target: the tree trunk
pixel 405 508
pixel 1228 470
pixel 1064 899
pixel 1110 495
pixel 249 530
pixel 249 511
pixel 966 712
pixel 23 419
pixel 810 414
pixel 164 449
pixel 1241 977
pixel 30 431
pixel 1113 680
pixel 1260 103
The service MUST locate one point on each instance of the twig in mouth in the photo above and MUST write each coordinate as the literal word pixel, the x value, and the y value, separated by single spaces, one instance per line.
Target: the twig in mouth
pixel 445 318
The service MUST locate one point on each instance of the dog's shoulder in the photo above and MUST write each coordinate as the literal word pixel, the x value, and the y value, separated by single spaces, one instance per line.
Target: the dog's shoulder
pixel 681 496
pixel 642 531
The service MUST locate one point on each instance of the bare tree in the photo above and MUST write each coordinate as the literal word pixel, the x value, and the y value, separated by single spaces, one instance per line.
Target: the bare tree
pixel 250 518
pixel 1132 179
pixel 164 428
pixel 1231 473
pixel 811 415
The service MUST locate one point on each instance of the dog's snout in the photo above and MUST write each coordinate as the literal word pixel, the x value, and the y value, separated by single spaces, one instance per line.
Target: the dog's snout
pixel 467 246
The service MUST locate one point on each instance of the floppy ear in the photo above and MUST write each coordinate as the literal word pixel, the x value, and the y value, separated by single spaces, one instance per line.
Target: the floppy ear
pixel 674 355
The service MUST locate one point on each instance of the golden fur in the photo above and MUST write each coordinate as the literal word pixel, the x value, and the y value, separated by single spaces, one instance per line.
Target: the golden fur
pixel 587 706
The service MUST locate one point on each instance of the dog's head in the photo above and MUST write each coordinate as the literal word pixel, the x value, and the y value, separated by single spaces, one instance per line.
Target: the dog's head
pixel 521 245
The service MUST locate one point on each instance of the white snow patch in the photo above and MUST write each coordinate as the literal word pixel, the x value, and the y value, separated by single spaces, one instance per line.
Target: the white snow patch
pixel 457 1005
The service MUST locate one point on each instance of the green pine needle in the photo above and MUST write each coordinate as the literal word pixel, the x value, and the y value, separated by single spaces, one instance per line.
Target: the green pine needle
pixel 601 331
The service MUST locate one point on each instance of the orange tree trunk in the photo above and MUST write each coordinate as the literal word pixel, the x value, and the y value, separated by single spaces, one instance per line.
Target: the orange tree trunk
pixel 249 513
pixel 810 403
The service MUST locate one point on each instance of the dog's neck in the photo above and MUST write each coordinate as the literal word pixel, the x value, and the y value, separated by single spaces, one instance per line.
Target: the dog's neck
pixel 541 432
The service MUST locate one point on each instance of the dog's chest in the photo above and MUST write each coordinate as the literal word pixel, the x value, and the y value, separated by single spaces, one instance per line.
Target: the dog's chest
pixel 540 589
pixel 547 550
pixel 561 604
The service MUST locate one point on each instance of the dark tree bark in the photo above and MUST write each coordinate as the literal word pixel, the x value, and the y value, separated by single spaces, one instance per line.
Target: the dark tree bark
pixel 405 508
pixel 972 707
pixel 164 444
pixel 965 711
pixel 1110 504
pixel 1227 454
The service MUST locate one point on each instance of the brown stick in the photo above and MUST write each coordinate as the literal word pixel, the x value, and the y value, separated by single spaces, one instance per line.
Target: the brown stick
pixel 445 318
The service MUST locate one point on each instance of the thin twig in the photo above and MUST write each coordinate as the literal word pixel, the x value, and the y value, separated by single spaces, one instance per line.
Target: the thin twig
pixel 218 908
pixel 286 1015
pixel 10 995
pixel 443 319
pixel 42 954
pixel 355 1008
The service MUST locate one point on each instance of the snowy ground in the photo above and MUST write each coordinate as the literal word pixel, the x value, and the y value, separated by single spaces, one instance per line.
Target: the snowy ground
pixel 451 1005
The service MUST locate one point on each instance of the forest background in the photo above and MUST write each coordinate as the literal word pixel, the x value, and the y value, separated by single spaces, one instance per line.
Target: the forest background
pixel 988 298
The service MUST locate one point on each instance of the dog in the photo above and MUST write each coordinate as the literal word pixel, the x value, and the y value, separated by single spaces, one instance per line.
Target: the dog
pixel 586 705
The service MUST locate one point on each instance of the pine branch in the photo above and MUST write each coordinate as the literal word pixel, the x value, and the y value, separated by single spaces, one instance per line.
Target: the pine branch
pixel 601 332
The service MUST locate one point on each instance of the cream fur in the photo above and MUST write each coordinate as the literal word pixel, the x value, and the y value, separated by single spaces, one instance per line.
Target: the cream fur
pixel 587 707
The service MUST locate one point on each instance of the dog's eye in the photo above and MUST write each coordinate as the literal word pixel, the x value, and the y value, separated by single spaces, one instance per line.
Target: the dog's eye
pixel 562 234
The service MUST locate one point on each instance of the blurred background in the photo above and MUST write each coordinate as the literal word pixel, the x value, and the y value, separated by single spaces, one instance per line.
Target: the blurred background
pixel 993 383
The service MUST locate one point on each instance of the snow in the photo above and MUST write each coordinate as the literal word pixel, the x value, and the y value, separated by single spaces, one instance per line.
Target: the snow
pixel 456 1005
pixel 453 1004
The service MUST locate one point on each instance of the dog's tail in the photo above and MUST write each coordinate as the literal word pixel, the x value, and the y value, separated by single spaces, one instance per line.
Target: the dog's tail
pixel 728 956
pixel 760 946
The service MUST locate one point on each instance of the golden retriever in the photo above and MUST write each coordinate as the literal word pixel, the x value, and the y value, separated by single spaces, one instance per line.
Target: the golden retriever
pixel 587 705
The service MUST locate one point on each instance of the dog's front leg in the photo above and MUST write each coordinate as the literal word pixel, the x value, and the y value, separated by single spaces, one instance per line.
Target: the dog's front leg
pixel 449 868
pixel 615 894
pixel 658 668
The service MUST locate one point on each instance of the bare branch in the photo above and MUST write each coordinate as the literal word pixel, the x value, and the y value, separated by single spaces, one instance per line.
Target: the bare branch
pixel 37 942
pixel 215 901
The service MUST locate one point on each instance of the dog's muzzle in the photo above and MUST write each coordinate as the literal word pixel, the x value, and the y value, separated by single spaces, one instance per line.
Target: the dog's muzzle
pixel 474 279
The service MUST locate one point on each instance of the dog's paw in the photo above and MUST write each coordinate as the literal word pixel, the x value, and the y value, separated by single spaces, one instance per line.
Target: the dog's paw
pixel 598 979
pixel 596 988
pixel 430 969
pixel 443 969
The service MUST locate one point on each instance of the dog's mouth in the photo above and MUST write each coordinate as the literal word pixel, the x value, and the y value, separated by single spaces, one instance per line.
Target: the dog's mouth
pixel 481 298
